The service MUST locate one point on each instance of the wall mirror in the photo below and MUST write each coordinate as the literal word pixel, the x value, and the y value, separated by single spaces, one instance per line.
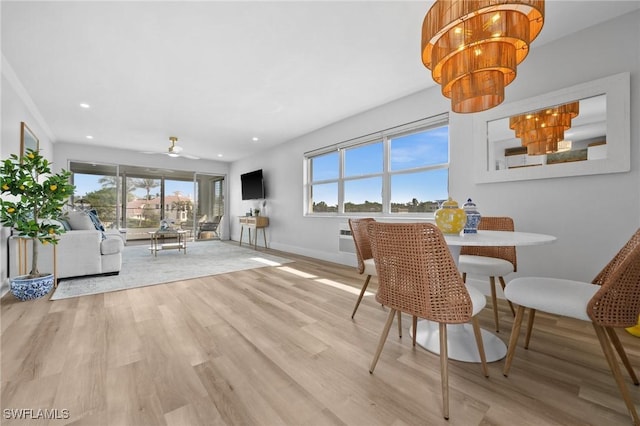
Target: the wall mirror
pixel 28 139
pixel 593 137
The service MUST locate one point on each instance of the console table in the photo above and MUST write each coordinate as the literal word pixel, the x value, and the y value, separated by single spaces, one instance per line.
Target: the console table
pixel 179 234
pixel 254 222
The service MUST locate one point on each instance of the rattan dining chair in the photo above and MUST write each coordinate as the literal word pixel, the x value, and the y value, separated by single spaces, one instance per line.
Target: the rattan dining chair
pixel 417 275
pixel 366 266
pixel 611 300
pixel 490 262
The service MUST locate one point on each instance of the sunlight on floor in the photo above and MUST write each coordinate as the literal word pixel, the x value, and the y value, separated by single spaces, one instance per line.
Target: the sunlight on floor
pixel 296 272
pixel 325 281
pixel 265 261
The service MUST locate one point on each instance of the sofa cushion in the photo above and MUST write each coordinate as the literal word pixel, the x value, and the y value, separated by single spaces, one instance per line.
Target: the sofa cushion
pixel 111 246
pixel 79 221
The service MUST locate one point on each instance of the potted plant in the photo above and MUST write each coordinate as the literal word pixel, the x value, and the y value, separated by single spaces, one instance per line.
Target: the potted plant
pixel 38 195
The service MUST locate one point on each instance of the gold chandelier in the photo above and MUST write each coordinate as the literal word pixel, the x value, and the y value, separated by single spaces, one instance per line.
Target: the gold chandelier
pixel 472 47
pixel 540 131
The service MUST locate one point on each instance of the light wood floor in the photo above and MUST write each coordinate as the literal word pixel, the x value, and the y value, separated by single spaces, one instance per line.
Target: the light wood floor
pixel 277 346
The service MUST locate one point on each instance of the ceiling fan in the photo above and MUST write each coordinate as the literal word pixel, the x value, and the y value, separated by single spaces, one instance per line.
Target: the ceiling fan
pixel 174 150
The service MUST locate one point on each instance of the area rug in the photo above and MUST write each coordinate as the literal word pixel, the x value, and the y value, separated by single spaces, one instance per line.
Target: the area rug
pixel 141 268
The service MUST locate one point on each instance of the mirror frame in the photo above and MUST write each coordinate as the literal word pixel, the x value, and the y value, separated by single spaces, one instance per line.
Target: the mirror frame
pixel 618 98
pixel 28 139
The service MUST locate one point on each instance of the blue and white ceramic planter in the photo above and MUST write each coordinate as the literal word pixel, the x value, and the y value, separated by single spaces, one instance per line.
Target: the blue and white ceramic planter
pixel 25 288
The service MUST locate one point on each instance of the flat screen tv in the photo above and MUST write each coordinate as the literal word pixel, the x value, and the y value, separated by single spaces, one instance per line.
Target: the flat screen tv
pixel 252 185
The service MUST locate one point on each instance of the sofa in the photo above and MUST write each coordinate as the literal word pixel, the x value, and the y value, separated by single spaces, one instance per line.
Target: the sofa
pixel 83 249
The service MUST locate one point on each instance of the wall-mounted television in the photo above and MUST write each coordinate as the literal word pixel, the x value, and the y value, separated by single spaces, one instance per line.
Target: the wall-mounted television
pixel 252 185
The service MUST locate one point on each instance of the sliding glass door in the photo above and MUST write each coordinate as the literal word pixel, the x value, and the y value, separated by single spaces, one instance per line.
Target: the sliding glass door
pixel 97 189
pixel 210 206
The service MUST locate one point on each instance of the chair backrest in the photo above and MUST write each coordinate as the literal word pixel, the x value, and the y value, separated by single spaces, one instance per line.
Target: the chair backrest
pixel 416 272
pixel 617 303
pixel 495 223
pixel 361 240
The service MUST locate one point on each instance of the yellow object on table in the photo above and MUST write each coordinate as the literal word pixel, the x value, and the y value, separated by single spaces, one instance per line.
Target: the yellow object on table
pixel 635 330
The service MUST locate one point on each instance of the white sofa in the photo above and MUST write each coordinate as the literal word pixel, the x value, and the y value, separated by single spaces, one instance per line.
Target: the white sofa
pixel 80 251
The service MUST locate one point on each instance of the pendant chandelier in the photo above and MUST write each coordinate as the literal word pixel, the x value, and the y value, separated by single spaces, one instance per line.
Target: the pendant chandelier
pixel 542 130
pixel 472 47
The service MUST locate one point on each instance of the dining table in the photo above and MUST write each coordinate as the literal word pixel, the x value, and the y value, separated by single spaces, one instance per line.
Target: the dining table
pixel 461 340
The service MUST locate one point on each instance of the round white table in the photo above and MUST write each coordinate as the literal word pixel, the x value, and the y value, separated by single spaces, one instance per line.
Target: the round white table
pixel 461 340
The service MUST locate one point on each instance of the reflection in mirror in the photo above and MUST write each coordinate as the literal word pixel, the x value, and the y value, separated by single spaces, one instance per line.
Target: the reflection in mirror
pixel 593 137
pixel 575 131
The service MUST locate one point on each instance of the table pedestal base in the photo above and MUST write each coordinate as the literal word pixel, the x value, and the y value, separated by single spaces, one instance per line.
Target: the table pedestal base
pixel 461 342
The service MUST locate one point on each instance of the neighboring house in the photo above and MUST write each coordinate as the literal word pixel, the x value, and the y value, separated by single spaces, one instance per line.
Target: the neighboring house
pixel 177 208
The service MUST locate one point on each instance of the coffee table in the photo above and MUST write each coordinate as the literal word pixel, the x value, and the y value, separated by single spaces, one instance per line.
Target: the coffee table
pixel 180 244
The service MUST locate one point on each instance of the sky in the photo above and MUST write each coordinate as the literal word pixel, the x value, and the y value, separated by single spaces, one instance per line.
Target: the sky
pixel 408 152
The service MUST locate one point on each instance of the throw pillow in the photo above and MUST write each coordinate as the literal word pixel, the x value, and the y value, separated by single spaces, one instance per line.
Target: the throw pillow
pixel 65 224
pixel 93 215
pixel 79 220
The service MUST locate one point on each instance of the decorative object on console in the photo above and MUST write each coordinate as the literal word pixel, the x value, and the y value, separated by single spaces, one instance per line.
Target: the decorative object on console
pixel 450 218
pixel 473 47
pixel 473 217
pixel 38 197
pixel 543 131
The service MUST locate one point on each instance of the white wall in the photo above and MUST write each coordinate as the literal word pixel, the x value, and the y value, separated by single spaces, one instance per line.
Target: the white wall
pixel 16 107
pixel 592 216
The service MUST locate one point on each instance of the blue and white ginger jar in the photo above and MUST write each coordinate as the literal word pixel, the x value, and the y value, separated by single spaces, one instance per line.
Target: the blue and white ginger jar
pixel 473 217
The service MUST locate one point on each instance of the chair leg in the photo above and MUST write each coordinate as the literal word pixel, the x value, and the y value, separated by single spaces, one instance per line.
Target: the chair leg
pixel 532 317
pixel 400 324
pixel 444 369
pixel 415 329
pixel 464 277
pixel 503 285
pixel 494 302
pixel 623 355
pixel 383 338
pixel 513 340
pixel 364 288
pixel 615 369
pixel 480 343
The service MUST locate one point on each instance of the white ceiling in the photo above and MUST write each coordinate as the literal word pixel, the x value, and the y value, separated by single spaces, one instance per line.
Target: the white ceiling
pixel 216 74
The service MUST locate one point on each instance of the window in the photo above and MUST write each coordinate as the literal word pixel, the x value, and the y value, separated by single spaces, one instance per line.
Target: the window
pixel 137 198
pixel 398 171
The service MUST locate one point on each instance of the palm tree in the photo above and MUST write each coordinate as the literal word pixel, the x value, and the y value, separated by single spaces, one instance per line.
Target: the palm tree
pixel 147 185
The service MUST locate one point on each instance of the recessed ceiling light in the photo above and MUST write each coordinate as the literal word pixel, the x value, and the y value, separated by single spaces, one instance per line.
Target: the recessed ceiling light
pixel 83 105
pixel 89 137
pixel 219 155
pixel 255 139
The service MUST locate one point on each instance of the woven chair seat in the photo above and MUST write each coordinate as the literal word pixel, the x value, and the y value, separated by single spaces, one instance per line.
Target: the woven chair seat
pixel 553 295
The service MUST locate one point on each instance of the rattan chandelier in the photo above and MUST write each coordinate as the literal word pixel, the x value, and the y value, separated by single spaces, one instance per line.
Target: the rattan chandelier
pixel 540 131
pixel 472 47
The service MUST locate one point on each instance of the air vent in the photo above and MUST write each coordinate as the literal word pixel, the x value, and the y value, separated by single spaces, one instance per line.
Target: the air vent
pixel 345 242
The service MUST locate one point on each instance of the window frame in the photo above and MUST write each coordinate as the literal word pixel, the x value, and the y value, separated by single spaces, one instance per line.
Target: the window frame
pixel 384 137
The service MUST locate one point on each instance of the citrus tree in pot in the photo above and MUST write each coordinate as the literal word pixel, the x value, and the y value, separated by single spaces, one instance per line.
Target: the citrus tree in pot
pixel 38 197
